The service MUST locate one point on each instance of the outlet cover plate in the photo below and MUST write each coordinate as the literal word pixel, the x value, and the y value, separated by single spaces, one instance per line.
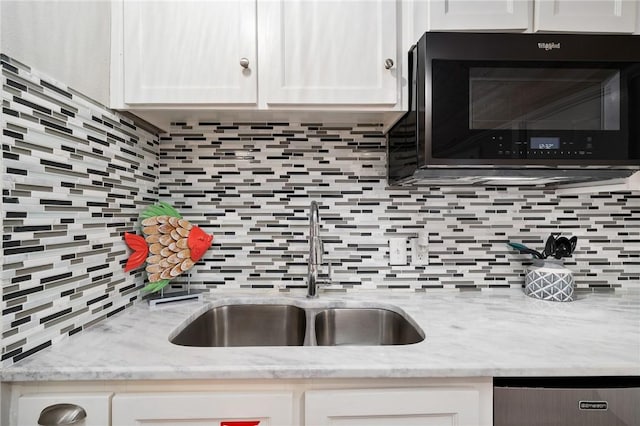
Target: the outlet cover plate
pixel 419 254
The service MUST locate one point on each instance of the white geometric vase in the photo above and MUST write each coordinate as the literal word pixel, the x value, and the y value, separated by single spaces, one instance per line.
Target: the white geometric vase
pixel 549 280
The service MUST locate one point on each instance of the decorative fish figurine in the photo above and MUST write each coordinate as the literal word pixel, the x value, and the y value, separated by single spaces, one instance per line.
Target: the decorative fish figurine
pixel 172 245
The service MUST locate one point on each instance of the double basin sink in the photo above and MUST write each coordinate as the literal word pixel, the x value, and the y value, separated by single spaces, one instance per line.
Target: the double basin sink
pixel 277 324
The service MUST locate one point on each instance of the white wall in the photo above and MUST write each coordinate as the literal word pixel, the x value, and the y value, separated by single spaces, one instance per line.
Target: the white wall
pixel 68 40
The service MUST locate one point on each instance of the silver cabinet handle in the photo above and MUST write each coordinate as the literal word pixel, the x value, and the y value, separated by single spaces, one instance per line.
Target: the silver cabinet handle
pixel 388 63
pixel 61 414
pixel 244 63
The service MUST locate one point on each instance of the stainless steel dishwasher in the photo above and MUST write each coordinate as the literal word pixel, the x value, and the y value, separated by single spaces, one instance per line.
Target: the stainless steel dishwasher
pixel 566 401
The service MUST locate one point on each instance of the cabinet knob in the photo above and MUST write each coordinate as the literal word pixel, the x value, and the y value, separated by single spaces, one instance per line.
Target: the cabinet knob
pixel 244 63
pixel 388 63
pixel 61 414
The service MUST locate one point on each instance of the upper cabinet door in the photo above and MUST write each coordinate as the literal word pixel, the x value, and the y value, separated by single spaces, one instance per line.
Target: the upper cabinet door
pixel 608 16
pixel 195 52
pixel 478 15
pixel 329 52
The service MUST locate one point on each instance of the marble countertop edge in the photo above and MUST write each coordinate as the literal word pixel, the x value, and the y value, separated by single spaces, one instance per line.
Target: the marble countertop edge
pixel 115 374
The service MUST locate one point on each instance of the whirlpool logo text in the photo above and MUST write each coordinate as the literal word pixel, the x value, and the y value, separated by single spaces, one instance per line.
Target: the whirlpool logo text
pixel 549 46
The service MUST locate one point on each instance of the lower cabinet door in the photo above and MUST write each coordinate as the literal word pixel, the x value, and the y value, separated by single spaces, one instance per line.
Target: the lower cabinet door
pixel 397 407
pixel 203 408
pixel 85 409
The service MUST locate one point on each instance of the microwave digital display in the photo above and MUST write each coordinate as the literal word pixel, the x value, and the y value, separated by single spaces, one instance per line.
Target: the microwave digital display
pixel 544 143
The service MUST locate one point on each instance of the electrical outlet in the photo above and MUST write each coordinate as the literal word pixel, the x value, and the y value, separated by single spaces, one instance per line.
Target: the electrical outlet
pixel 397 251
pixel 419 253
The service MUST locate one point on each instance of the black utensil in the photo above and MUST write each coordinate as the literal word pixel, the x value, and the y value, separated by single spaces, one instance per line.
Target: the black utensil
pixel 563 248
pixel 573 241
pixel 526 250
pixel 549 247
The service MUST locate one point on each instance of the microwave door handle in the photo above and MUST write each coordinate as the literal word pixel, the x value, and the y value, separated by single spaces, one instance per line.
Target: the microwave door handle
pixel 413 73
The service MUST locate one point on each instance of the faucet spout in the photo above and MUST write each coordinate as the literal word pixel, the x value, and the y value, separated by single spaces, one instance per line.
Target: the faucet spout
pixel 315 252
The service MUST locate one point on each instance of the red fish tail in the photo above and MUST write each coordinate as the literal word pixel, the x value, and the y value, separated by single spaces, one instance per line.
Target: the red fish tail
pixel 140 251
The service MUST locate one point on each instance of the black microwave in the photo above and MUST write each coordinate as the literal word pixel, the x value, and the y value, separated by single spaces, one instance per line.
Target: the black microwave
pixel 521 108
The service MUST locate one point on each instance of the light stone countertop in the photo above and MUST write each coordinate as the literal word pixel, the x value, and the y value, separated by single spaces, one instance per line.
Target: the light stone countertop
pixel 468 334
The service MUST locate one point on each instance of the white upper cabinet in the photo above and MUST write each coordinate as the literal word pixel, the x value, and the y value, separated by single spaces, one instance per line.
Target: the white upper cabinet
pixel 189 52
pixel 597 16
pixel 328 52
pixel 259 54
pixel 308 54
pixel 478 15
pixel 607 16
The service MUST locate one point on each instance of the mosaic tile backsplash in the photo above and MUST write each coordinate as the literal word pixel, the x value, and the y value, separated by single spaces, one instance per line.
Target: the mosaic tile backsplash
pixel 250 184
pixel 74 175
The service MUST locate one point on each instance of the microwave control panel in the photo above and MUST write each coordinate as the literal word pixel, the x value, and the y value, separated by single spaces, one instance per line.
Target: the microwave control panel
pixel 543 147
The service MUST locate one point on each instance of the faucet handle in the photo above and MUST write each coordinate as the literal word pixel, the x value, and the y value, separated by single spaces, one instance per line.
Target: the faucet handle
pixel 329 278
pixel 317 251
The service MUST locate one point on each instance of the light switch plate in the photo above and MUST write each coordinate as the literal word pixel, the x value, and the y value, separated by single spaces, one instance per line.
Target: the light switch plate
pixel 397 251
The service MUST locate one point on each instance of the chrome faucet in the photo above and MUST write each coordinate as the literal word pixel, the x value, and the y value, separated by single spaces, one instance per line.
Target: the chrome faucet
pixel 315 253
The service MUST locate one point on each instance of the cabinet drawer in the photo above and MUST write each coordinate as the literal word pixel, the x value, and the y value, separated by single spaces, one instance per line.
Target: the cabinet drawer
pixel 203 408
pixel 399 407
pixel 97 405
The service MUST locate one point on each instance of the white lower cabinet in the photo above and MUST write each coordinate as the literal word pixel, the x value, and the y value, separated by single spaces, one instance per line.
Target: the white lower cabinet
pixel 398 407
pixel 203 408
pixel 267 402
pixel 95 405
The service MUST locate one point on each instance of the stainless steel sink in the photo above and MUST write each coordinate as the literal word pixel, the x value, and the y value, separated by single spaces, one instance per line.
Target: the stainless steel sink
pixel 286 325
pixel 360 326
pixel 245 325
